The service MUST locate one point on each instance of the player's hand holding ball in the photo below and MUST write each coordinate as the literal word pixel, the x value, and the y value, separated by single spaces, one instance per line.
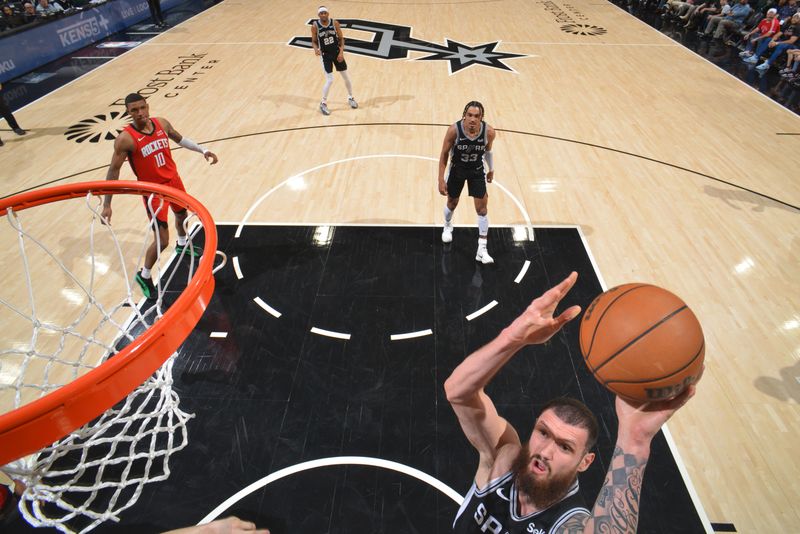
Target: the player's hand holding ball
pixel 643 343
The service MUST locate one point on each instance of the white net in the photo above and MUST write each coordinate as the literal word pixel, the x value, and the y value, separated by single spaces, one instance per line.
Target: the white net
pixel 72 307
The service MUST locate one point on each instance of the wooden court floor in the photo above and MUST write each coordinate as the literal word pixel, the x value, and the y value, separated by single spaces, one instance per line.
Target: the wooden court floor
pixel 678 174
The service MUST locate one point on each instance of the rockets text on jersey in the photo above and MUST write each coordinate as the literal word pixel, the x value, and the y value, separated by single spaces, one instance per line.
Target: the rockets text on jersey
pixel 151 157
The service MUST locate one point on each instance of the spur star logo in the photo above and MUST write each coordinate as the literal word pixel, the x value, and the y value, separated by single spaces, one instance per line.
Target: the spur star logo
pixel 391 41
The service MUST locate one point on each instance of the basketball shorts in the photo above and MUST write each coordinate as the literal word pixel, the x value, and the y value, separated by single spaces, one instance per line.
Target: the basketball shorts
pixel 160 206
pixel 475 180
pixel 329 61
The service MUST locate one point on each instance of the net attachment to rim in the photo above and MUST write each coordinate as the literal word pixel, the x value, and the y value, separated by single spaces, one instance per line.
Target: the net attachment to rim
pixel 89 414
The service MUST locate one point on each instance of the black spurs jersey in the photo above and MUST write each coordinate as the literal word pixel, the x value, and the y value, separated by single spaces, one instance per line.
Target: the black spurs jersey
pixel 493 510
pixel 328 40
pixel 467 152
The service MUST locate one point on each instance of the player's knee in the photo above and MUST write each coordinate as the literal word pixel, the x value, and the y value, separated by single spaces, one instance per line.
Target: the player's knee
pixel 163 240
pixel 163 237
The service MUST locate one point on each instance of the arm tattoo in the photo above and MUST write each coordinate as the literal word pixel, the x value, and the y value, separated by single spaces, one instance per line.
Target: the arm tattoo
pixel 616 510
pixel 573 525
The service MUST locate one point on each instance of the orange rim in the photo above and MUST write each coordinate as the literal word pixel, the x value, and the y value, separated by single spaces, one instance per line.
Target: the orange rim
pixel 39 423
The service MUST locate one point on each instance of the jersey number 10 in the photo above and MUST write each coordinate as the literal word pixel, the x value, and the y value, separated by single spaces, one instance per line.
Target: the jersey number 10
pixel 160 159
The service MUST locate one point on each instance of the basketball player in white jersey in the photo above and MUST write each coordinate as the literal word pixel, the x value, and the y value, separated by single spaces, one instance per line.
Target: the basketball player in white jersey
pixel 328 43
pixel 521 488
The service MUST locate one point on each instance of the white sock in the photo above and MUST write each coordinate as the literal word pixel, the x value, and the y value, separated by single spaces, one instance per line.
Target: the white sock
pixel 448 215
pixel 482 243
pixel 146 273
pixel 327 87
pixel 182 239
pixel 347 83
pixel 483 225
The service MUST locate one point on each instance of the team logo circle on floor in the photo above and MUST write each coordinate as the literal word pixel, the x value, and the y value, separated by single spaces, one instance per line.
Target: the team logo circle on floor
pixel 99 127
pixel 583 29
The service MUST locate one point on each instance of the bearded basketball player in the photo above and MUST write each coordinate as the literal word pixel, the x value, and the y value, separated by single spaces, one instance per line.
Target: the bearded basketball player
pixel 532 487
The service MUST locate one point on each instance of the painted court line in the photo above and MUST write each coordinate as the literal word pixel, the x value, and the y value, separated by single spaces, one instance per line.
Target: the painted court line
pixel 522 271
pixel 483 310
pixel 637 45
pixel 267 308
pixel 236 268
pixel 520 207
pixel 330 462
pixel 229 43
pixel 410 335
pixel 329 333
pixel 222 335
pixel 670 442
pixel 246 220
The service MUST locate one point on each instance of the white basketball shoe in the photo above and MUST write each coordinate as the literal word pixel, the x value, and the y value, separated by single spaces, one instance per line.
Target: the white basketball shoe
pixel 483 255
pixel 447 232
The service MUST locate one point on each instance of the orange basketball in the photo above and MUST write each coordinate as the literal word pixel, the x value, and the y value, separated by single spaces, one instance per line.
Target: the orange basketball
pixel 642 342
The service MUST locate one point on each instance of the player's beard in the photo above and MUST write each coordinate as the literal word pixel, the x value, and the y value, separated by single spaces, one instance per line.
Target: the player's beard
pixel 543 493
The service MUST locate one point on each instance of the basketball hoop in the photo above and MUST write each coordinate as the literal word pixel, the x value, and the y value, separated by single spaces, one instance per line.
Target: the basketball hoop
pixel 108 405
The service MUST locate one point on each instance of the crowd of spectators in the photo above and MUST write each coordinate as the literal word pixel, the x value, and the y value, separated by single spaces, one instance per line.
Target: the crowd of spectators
pixel 762 35
pixel 26 13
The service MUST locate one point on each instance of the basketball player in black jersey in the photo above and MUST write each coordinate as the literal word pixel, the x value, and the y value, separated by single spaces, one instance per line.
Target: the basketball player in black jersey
pixel 468 143
pixel 328 43
pixel 532 488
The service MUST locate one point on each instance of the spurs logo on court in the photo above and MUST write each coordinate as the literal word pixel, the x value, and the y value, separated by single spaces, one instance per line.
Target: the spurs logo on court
pixel 99 127
pixel 391 41
pixel 583 29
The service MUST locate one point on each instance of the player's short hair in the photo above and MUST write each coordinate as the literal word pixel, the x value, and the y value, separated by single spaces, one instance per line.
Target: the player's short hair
pixel 473 104
pixel 133 97
pixel 575 413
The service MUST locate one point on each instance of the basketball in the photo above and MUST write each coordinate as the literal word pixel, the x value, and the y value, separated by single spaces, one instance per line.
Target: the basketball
pixel 642 342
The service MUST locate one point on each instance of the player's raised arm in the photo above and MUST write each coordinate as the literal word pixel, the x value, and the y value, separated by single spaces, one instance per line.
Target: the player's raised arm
pixel 486 430
pixel 444 156
pixel 617 506
pixel 187 143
